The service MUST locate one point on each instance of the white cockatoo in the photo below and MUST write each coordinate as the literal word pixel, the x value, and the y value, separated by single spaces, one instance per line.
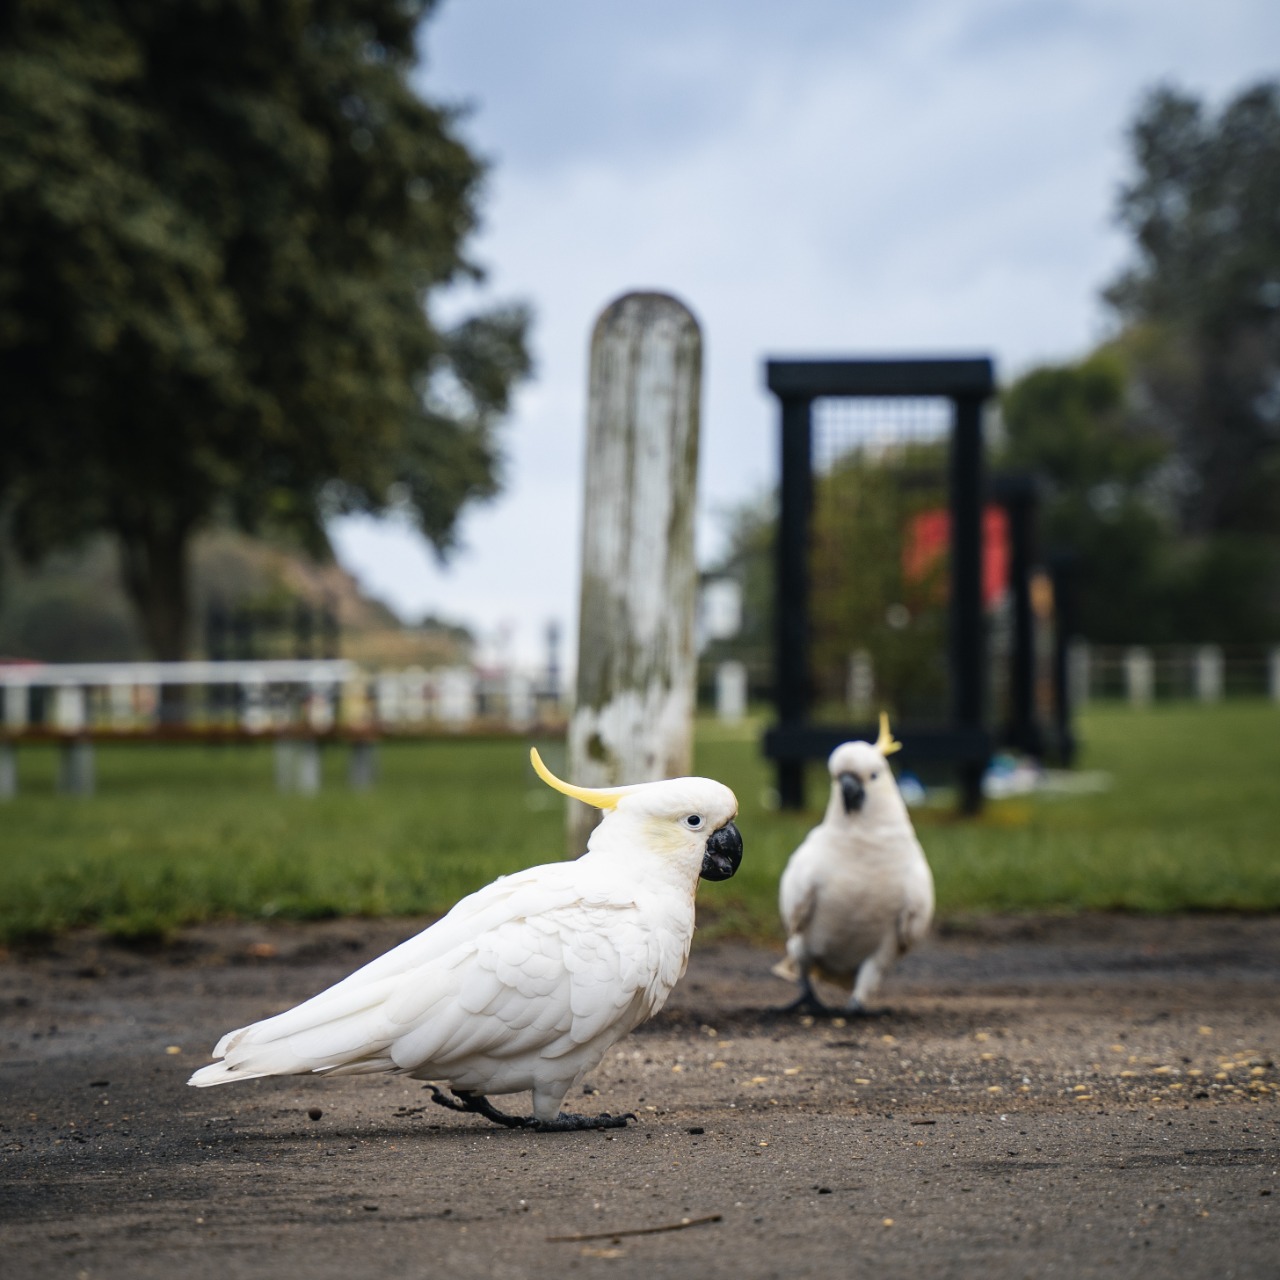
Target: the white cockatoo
pixel 857 893
pixel 528 982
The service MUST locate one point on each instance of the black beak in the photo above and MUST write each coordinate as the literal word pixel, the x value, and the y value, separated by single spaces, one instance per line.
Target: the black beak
pixel 724 853
pixel 852 791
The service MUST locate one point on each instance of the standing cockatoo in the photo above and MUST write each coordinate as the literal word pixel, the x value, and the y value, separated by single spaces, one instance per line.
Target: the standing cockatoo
pixel 528 982
pixel 857 893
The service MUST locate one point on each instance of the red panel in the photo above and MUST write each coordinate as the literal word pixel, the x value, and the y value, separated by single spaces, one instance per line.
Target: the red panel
pixel 929 535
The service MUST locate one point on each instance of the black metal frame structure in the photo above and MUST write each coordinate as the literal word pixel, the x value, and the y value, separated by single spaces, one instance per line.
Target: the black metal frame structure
pixel 965 742
pixel 1019 495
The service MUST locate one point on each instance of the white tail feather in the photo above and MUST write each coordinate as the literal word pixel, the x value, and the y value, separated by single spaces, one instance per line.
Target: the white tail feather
pixel 222 1073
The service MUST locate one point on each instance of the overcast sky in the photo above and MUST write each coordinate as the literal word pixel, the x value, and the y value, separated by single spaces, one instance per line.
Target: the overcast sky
pixel 821 177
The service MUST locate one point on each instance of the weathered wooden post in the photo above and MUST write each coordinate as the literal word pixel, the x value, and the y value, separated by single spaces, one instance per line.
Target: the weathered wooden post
pixel 1139 676
pixel 633 714
pixel 1208 673
pixel 75 762
pixel 731 691
pixel 862 684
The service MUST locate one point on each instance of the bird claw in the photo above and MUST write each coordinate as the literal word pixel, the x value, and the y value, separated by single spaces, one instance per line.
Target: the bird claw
pixel 567 1122
pixel 807 1002
pixel 478 1104
pixel 442 1099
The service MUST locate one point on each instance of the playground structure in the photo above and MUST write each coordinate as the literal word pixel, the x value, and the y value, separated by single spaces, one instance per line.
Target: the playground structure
pixel 893 552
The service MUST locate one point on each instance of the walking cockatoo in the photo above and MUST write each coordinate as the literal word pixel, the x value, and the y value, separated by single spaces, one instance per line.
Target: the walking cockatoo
pixel 857 893
pixel 528 982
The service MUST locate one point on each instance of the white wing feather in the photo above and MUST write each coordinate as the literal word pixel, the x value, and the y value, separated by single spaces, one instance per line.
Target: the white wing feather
pixel 540 963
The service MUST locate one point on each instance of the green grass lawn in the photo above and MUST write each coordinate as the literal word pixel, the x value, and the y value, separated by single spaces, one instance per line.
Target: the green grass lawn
pixel 182 834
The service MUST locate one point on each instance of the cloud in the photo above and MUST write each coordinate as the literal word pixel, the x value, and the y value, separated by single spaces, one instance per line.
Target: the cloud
pixel 819 178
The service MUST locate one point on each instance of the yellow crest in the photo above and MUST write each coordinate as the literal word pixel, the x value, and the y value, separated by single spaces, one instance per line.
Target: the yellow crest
pixel 600 798
pixel 885 744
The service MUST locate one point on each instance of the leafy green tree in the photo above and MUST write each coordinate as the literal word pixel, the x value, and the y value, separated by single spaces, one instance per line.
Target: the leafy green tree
pixel 221 222
pixel 1201 301
pixel 1161 452
pixel 1070 426
pixel 1100 468
pixel 1110 496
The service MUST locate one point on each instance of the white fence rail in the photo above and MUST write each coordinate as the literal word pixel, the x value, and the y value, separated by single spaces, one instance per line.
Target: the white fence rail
pixel 1141 675
pixel 297 704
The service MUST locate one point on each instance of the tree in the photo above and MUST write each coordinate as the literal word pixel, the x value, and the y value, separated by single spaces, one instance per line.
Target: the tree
pixel 221 223
pixel 1100 468
pixel 1201 301
pixel 1110 496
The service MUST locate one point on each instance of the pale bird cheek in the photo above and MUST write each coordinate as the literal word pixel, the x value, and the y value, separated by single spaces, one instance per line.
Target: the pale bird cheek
pixel 672 843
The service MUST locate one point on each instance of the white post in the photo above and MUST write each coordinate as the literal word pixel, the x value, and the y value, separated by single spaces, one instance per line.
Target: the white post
pixel 731 691
pixel 633 714
pixel 1209 673
pixel 413 695
pixel 69 708
pixel 862 683
pixel 387 698
pixel 520 706
pixel 120 702
pixel 16 702
pixel 1139 676
pixel 319 706
pixel 457 693
pixel 719 611
pixel 255 717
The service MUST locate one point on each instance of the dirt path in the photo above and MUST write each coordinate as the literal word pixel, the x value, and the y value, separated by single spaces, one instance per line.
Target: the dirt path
pixel 1089 1097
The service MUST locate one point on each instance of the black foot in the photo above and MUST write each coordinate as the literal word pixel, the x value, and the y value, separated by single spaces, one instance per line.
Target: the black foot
pixel 807 1002
pixel 478 1104
pixel 566 1122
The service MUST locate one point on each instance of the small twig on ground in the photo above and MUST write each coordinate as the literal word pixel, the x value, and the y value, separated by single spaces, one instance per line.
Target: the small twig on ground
pixel 635 1231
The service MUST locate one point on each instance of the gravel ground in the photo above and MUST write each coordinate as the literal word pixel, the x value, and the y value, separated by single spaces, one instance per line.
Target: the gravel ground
pixel 1093 1096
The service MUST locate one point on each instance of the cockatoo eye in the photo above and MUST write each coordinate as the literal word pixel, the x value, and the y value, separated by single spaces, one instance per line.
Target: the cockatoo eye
pixel 874 776
pixel 693 821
